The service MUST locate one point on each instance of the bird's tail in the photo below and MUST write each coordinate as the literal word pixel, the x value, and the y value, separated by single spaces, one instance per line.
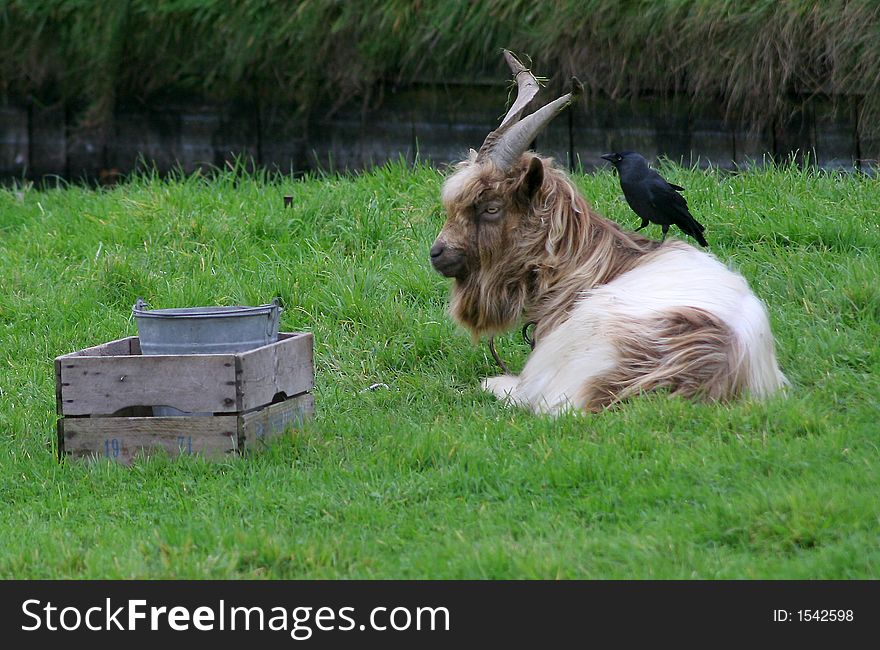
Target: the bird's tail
pixel 692 227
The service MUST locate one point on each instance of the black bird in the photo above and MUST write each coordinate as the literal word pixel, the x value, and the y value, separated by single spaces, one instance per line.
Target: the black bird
pixel 652 198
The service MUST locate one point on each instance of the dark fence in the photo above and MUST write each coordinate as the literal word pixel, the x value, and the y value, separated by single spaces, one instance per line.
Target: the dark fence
pixel 427 122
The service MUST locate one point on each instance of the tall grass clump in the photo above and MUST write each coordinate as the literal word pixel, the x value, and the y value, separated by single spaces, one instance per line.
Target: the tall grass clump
pixel 749 56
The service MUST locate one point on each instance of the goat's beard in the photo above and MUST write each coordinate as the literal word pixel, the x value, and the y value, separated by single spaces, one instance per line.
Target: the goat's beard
pixel 487 304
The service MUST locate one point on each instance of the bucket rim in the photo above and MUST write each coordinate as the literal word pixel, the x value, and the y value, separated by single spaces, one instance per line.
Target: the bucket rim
pixel 139 310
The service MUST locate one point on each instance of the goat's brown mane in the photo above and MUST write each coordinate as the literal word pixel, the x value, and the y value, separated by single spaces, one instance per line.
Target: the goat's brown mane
pixel 561 250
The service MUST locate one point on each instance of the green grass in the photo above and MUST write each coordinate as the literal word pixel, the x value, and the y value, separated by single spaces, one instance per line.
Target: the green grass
pixel 431 478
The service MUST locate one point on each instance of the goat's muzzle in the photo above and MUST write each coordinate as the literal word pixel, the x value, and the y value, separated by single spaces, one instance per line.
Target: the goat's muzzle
pixel 447 261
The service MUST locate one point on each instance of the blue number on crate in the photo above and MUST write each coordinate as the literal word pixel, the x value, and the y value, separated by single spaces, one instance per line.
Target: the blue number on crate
pixel 185 443
pixel 111 448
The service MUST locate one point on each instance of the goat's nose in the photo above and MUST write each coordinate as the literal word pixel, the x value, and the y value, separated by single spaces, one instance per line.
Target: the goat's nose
pixel 437 249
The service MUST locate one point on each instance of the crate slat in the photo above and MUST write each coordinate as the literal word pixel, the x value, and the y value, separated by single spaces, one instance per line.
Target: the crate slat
pixel 122 439
pixel 59 432
pixel 104 385
pixel 118 348
pixel 285 367
pixel 258 427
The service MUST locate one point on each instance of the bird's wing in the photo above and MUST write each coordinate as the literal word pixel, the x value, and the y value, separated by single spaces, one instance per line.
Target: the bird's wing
pixel 677 188
pixel 667 201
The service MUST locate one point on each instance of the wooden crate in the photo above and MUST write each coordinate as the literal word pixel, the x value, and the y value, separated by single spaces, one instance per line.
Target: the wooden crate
pixel 105 397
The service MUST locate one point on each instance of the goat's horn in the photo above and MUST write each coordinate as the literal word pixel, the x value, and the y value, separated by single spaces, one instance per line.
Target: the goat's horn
pixel 505 146
pixel 526 88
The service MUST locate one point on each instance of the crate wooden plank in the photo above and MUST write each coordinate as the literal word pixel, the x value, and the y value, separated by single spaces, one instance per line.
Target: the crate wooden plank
pixel 117 348
pixel 59 432
pixel 284 367
pixel 257 428
pixel 104 385
pixel 123 439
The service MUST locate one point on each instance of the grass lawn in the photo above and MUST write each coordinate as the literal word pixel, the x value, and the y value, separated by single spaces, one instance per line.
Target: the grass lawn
pixel 431 478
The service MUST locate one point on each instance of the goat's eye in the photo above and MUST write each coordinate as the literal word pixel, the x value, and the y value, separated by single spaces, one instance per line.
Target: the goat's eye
pixel 491 212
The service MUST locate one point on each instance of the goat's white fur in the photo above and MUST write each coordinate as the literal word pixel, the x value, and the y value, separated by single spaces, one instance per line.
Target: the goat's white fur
pixel 581 349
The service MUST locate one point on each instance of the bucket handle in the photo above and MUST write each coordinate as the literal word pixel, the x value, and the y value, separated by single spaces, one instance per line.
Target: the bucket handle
pixel 274 317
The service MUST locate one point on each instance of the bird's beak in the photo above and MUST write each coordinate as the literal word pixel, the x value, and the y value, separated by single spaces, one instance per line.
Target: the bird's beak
pixel 609 157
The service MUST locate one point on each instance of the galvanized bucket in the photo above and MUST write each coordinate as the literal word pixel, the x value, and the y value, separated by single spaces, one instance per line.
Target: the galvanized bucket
pixel 204 330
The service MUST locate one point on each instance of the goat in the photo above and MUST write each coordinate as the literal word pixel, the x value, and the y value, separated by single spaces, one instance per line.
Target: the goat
pixel 616 313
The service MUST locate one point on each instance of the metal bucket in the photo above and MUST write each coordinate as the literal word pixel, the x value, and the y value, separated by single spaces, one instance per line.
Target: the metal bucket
pixel 204 330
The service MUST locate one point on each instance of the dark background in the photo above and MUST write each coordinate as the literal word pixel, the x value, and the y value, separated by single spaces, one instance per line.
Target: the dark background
pixel 99 88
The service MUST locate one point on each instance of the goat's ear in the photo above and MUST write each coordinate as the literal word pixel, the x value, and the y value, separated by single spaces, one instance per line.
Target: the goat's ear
pixel 532 179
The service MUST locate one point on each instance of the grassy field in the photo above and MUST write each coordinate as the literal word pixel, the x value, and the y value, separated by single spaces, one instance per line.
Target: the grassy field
pixel 431 478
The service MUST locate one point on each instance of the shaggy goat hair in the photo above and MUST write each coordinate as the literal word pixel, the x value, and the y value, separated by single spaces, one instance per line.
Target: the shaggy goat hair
pixel 616 313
